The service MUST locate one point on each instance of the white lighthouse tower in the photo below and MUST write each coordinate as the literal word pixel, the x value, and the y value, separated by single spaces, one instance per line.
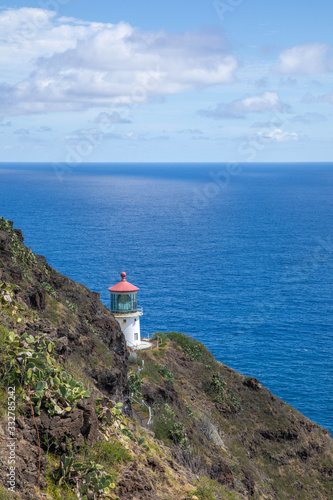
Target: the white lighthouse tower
pixel 127 313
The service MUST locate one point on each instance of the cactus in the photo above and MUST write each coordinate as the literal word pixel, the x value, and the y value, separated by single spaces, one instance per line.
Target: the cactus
pixel 29 364
pixel 90 477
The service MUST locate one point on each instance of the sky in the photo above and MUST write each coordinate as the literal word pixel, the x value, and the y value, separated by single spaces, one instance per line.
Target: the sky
pixel 177 81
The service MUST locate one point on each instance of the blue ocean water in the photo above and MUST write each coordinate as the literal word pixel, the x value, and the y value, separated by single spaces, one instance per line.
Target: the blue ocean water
pixel 238 256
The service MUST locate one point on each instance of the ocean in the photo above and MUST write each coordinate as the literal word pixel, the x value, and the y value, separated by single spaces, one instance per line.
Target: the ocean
pixel 238 256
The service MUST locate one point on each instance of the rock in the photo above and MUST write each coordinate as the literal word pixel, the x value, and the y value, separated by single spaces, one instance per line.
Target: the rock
pixel 26 469
pixel 41 259
pixel 90 427
pixel 20 421
pixel 78 425
pixel 5 242
pixel 37 298
pixel 327 472
pixel 289 434
pixel 135 481
pixel 249 482
pixel 19 235
pixel 62 346
pixel 221 473
pixel 252 383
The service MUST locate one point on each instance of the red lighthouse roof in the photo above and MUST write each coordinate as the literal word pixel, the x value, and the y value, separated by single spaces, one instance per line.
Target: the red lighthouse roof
pixel 123 286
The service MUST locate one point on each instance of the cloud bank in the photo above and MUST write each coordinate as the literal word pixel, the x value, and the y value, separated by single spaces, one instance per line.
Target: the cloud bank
pixel 278 135
pixel 306 59
pixel 78 65
pixel 265 102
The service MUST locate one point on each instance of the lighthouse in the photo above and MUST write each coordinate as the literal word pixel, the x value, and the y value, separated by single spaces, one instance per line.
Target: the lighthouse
pixel 125 310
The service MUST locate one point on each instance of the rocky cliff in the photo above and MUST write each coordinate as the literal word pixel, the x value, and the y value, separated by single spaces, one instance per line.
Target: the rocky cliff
pixel 69 430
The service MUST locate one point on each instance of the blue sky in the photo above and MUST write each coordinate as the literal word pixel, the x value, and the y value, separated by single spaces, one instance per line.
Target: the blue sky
pixel 129 81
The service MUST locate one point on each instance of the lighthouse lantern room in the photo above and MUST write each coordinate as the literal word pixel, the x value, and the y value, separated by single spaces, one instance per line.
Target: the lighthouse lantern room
pixel 125 310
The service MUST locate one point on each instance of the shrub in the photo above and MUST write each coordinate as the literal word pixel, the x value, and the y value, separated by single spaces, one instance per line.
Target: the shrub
pixel 49 289
pixel 57 493
pixel 5 495
pixel 110 453
pixel 135 383
pixel 28 365
pixel 189 410
pixel 89 478
pixel 20 253
pixel 207 489
pixel 72 307
pixel 166 373
pixel 192 348
pixel 168 428
pixel 133 358
pixel 218 387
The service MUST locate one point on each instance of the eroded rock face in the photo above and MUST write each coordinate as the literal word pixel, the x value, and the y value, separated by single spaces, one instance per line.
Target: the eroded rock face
pixel 136 484
pixel 88 343
pixel 252 383
pixel 26 462
pixel 37 298
pixel 221 473
pixel 4 242
pixel 79 426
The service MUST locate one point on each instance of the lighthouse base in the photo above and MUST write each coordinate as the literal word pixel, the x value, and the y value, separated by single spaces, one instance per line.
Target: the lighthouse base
pixel 130 326
pixel 139 346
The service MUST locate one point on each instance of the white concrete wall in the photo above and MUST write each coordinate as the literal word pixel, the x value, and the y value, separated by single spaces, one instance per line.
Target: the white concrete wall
pixel 131 328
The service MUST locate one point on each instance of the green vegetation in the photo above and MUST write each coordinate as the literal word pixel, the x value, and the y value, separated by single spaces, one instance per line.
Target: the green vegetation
pixel 72 307
pixel 49 289
pixel 93 469
pixel 189 411
pixel 133 358
pixel 195 350
pixel 166 373
pixel 21 255
pixel 57 492
pixel 167 428
pixel 211 490
pixel 5 494
pixel 110 453
pixel 218 385
pixel 27 364
pixel 8 305
pixel 89 478
pixel 135 384
pixel 92 329
pixel 150 370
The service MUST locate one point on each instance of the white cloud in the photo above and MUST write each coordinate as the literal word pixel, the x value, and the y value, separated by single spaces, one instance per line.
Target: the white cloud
pixel 91 136
pixel 113 118
pixel 265 102
pixel 78 65
pixel 307 59
pixel 268 101
pixel 27 34
pixel 132 136
pixel 278 135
